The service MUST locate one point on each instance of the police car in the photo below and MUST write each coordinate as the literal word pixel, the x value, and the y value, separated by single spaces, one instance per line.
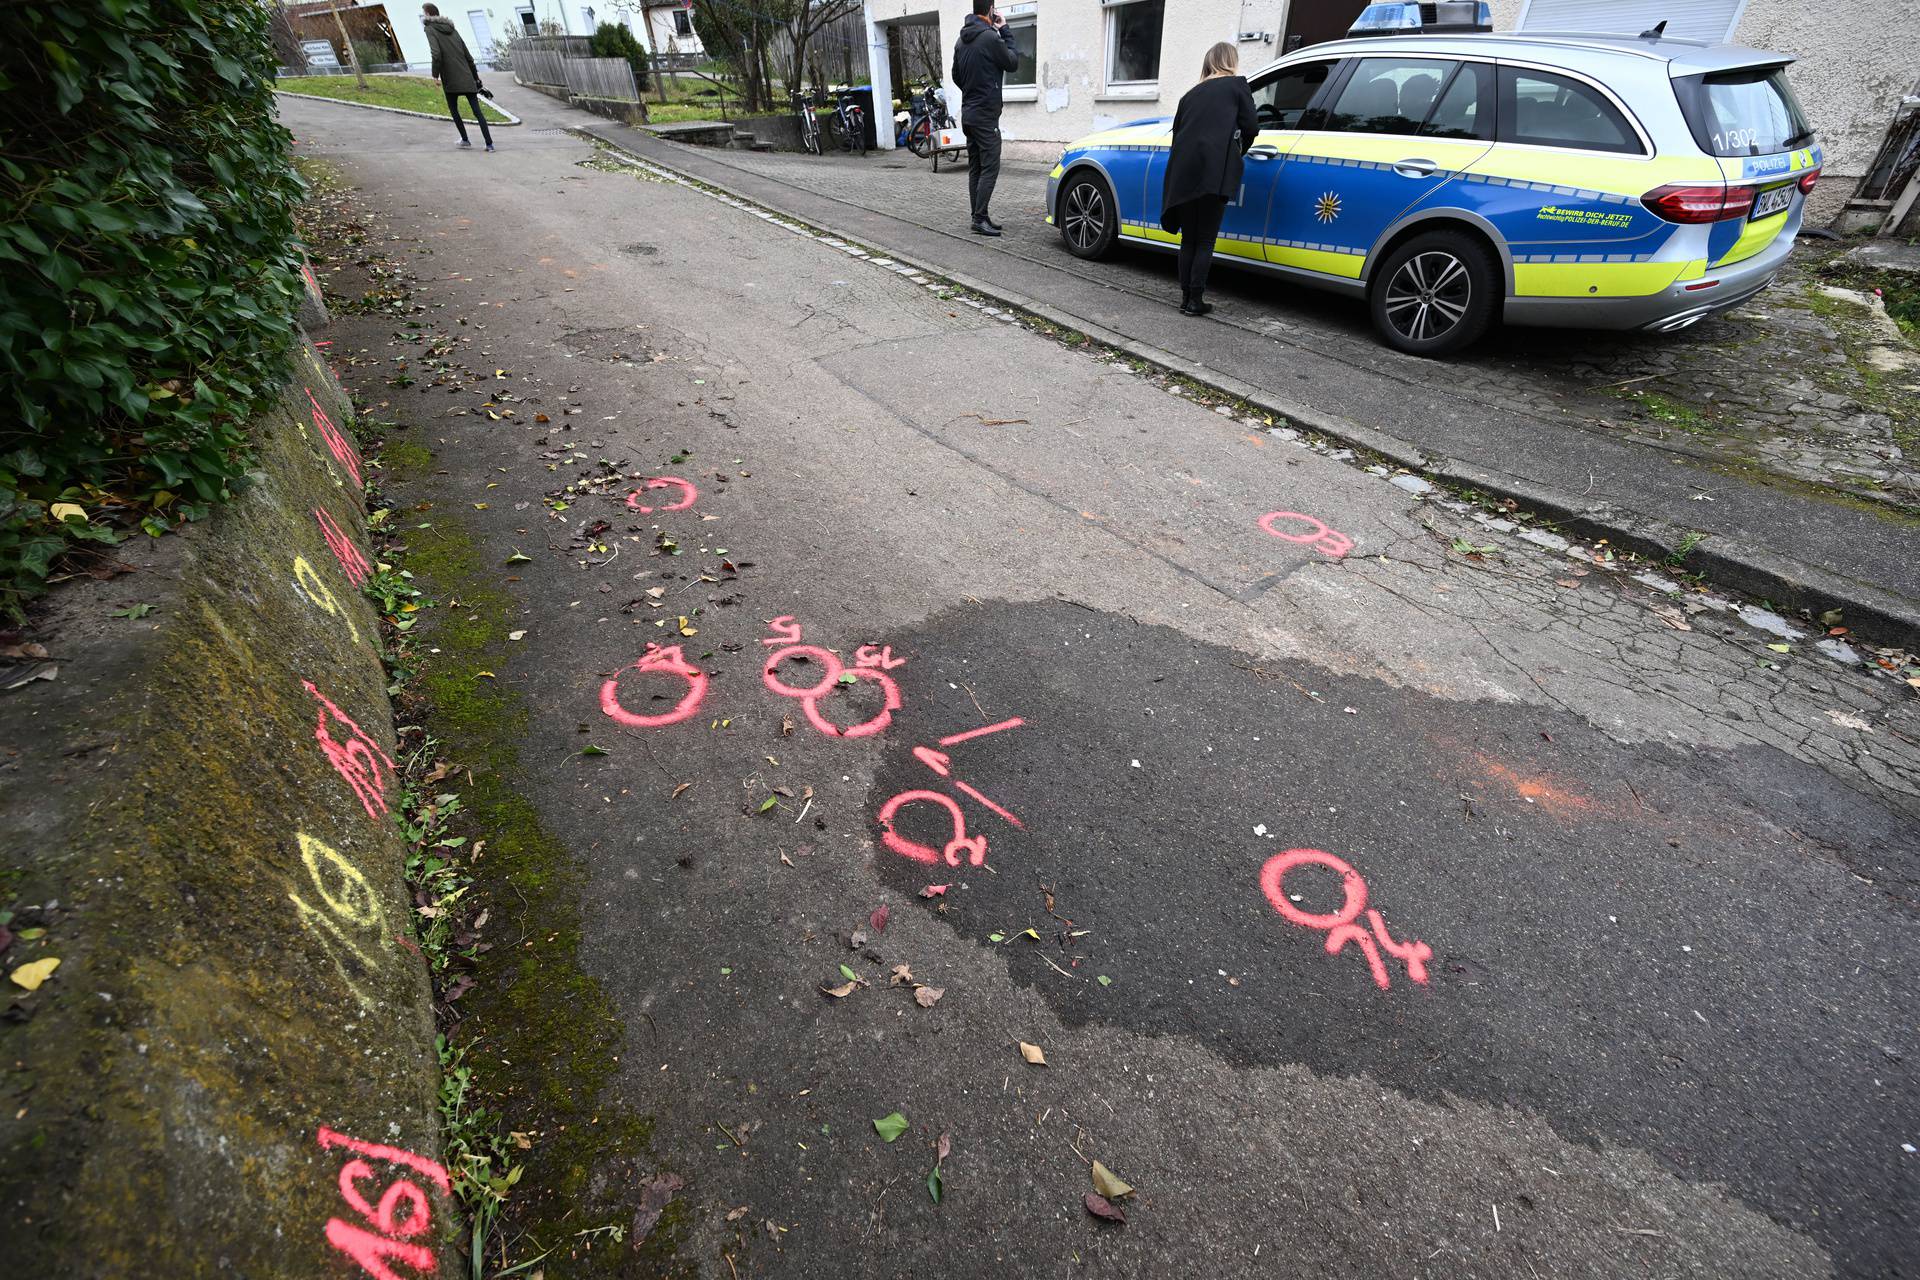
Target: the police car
pixel 1451 180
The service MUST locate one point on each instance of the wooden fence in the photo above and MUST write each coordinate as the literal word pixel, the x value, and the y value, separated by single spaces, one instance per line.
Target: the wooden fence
pixel 602 79
pixel 542 60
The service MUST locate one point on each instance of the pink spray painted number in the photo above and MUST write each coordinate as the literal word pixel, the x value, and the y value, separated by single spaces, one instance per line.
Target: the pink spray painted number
pixel 359 759
pixel 688 495
pixel 975 847
pixel 402 1212
pixel 1339 926
pixel 337 445
pixel 1328 542
pixel 352 562
pixel 668 661
pixel 870 663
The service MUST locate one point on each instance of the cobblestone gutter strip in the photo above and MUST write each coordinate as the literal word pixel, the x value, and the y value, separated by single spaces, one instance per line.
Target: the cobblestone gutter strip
pixel 230 1069
pixel 1782 580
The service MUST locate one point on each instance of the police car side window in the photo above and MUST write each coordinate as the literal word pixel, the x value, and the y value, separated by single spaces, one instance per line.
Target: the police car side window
pixel 1389 95
pixel 1282 100
pixel 1465 109
pixel 1542 109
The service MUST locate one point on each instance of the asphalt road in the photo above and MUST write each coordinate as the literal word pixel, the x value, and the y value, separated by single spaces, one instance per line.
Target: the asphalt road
pixel 1638 997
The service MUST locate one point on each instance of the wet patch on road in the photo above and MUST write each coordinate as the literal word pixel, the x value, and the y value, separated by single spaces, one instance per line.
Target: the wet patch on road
pixel 1697 953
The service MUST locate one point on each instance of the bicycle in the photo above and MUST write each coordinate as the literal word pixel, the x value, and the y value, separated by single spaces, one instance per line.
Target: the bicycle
pixel 848 123
pixel 926 112
pixel 809 122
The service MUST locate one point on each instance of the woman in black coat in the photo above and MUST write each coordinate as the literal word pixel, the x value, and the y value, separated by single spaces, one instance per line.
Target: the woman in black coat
pixel 1212 129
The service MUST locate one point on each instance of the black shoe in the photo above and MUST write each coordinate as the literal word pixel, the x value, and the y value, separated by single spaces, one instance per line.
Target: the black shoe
pixel 1195 304
pixel 981 227
pixel 990 222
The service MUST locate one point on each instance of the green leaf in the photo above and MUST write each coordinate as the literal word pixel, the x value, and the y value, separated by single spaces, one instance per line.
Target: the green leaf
pixel 849 974
pixel 135 611
pixel 934 1184
pixel 1104 980
pixel 890 1126
pixel 847 677
pixel 591 750
pixel 768 803
pixel 518 558
pixel 996 937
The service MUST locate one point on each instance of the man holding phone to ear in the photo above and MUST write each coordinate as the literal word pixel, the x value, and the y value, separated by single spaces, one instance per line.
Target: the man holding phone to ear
pixel 981 60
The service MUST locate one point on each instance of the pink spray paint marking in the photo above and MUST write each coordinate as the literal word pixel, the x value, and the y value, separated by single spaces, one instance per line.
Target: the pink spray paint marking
pixel 975 847
pixel 1328 542
pixel 672 662
pixel 313 285
pixel 359 759
pixel 871 663
pixel 688 494
pixel 1339 926
pixel 387 1242
pixel 337 445
pixel 352 562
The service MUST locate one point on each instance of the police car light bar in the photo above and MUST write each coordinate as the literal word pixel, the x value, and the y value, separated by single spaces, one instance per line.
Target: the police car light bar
pixel 1400 18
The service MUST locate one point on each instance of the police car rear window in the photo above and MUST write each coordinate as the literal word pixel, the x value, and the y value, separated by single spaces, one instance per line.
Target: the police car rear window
pixel 1743 113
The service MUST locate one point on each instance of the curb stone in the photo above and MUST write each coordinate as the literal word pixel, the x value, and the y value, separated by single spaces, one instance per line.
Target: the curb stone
pixel 1786 582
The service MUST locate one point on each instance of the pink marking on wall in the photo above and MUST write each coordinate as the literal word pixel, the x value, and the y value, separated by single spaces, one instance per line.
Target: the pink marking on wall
pixel 688 494
pixel 337 445
pixel 359 759
pixel 352 562
pixel 312 283
pixel 1339 926
pixel 331 1138
pixel 670 661
pixel 388 1241
pixel 1328 542
pixel 975 847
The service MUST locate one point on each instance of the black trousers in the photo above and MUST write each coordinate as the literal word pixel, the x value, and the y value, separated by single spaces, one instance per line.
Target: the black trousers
pixel 983 166
pixel 453 106
pixel 1199 229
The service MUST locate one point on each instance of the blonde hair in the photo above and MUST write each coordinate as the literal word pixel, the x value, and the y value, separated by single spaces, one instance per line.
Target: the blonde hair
pixel 1222 60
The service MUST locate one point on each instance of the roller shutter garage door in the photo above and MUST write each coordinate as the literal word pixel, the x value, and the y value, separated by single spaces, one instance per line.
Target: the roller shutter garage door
pixel 1710 20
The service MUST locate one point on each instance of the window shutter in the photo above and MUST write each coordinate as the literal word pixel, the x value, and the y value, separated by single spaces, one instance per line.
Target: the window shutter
pixel 1710 20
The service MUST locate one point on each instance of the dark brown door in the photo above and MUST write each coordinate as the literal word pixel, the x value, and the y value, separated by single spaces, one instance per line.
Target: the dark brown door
pixel 1311 21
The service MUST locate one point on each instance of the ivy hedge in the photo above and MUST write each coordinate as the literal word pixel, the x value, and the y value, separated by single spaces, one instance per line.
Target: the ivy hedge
pixel 148 268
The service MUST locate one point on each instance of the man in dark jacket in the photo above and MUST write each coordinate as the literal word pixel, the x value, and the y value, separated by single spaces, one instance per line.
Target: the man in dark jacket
pixel 981 59
pixel 453 68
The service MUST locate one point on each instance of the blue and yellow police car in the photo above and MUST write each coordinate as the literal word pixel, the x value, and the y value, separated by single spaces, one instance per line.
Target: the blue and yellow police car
pixel 1452 180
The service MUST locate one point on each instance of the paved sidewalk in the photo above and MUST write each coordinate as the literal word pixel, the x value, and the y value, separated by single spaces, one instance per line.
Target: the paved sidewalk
pixel 1591 429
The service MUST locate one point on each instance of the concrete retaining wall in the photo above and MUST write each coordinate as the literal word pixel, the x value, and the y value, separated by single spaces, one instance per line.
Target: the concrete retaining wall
pixel 230 1072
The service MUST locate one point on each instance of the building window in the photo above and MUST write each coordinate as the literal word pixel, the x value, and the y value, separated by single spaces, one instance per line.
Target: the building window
pixel 682 23
pixel 1025 40
pixel 529 24
pixel 1133 42
pixel 586 16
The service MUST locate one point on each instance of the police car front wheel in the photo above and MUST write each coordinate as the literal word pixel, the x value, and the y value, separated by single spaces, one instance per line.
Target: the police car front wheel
pixel 1435 294
pixel 1089 221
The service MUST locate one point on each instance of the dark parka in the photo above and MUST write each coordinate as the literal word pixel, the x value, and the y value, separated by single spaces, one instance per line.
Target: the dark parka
pixel 981 59
pixel 1213 127
pixel 452 64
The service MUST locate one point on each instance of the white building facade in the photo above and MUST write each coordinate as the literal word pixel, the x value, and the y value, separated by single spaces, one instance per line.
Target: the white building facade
pixel 1091 64
pixel 482 23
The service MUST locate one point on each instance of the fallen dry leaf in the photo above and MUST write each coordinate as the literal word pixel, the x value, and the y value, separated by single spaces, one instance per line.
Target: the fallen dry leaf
pixel 734 1215
pixel 1100 1208
pixel 1107 1184
pixel 1032 1053
pixel 677 790
pixel 879 918
pixel 1673 618
pixel 656 1193
pixel 946 1147
pixel 840 992
pixel 927 997
pixel 34 972
pixel 901 973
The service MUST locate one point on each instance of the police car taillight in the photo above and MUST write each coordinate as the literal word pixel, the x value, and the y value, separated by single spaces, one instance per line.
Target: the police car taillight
pixel 1808 178
pixel 1678 202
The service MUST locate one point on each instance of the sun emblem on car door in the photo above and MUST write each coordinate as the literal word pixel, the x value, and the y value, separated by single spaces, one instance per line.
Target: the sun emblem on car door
pixel 1327 207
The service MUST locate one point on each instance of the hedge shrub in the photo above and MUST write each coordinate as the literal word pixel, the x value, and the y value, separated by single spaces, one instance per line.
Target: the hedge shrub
pixel 148 269
pixel 616 40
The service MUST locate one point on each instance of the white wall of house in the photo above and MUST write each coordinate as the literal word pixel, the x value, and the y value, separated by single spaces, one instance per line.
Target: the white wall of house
pixel 1855 59
pixel 1092 66
pixel 479 22
pixel 670 29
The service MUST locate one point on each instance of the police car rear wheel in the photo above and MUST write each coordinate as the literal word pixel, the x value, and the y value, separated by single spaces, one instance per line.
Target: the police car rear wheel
pixel 1087 221
pixel 1435 294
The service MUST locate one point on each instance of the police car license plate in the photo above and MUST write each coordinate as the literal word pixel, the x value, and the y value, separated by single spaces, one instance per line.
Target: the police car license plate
pixel 1771 201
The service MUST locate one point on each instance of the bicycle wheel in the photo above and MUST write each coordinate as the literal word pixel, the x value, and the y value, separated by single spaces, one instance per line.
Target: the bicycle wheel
pixel 810 134
pixel 920 137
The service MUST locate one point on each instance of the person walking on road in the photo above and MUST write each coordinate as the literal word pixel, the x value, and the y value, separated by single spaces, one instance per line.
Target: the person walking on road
pixel 981 60
pixel 1213 128
pixel 453 67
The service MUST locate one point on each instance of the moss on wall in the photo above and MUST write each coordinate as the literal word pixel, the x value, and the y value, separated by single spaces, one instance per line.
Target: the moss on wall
pixel 163 1091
